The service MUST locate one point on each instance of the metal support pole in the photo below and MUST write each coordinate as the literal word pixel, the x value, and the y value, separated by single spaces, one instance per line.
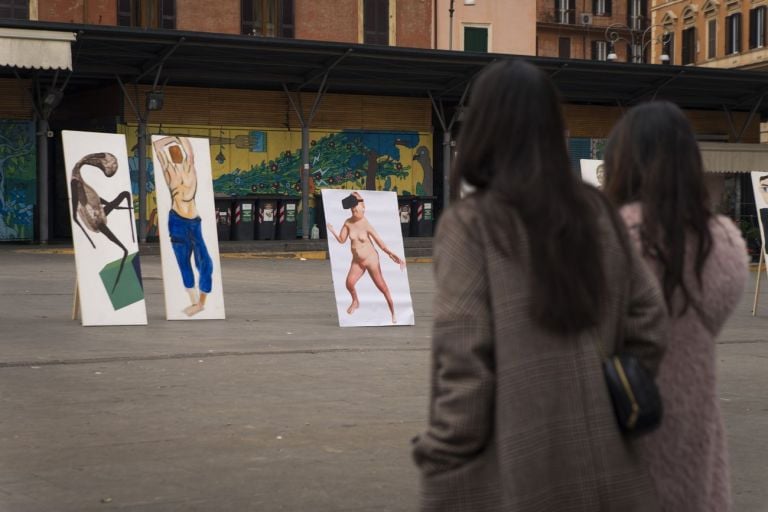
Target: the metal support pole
pixel 450 26
pixel 42 179
pixel 446 168
pixel 142 180
pixel 305 181
pixel 757 283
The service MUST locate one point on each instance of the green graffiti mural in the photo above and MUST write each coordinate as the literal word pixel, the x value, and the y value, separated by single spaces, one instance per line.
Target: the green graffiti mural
pixel 17 180
pixel 338 160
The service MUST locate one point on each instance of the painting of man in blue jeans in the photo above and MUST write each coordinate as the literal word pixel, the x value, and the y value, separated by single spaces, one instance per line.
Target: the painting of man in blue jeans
pixel 184 224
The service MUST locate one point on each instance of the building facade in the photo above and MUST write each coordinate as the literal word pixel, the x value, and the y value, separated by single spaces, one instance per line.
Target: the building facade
pixel 715 33
pixel 256 140
pixel 617 30
pixel 486 26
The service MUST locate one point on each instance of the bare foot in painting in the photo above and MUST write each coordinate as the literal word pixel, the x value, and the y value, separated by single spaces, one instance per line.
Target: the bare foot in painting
pixel 352 307
pixel 394 320
pixel 193 309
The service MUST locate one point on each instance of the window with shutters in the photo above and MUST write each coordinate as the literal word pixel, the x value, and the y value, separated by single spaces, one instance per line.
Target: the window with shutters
pixel 268 18
pixel 711 39
pixel 688 51
pixel 565 12
pixel 601 7
pixel 564 47
pixel 14 9
pixel 733 33
pixel 757 27
pixel 636 14
pixel 668 47
pixel 376 22
pixel 146 13
pixel 476 39
pixel 599 50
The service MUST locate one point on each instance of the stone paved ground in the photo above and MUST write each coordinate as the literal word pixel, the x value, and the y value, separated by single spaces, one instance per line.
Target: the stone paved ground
pixel 274 409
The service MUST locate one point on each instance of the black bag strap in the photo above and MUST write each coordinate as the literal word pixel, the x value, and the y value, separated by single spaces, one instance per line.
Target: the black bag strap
pixel 623 237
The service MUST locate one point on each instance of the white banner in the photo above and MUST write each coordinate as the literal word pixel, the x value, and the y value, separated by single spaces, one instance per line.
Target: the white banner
pixel 186 212
pixel 103 230
pixel 365 244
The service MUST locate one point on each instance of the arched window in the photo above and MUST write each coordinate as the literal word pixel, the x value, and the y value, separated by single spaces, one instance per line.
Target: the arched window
pixel 689 15
pixel 710 8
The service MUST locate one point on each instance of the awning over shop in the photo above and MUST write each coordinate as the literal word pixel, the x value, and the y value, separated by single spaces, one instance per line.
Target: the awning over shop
pixel 36 49
pixel 727 157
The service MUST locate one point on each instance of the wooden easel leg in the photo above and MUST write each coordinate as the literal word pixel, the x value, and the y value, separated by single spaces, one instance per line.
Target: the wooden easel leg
pixel 757 283
pixel 76 303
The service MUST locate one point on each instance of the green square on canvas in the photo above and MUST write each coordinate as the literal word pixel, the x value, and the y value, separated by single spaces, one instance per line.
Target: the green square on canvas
pixel 129 289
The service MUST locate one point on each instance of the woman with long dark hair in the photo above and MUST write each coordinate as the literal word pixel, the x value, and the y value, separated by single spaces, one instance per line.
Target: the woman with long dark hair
pixel 533 286
pixel 654 171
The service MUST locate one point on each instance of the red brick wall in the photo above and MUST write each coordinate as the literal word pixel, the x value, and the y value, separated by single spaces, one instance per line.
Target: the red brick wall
pixel 414 23
pixel 65 11
pixel 326 20
pixel 222 16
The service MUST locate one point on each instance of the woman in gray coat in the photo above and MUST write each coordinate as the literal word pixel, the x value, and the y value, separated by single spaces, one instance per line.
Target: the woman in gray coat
pixel 534 287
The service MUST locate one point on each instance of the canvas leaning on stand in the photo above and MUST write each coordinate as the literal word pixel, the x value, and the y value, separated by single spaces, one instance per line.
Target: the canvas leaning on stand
pixel 109 288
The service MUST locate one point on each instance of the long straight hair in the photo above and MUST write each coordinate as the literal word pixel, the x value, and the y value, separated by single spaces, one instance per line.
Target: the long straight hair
pixel 652 157
pixel 512 148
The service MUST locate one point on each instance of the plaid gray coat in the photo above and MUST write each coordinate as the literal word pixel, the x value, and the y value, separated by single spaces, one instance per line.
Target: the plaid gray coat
pixel 520 419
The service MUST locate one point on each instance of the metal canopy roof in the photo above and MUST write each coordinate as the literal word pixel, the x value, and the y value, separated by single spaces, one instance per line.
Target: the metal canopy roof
pixel 102 53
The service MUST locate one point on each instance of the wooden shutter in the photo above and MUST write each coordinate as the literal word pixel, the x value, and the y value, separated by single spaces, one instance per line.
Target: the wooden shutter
pixel 124 13
pixel 729 35
pixel 711 39
pixel 594 50
pixel 608 7
pixel 753 28
pixel 286 19
pixel 689 46
pixel 376 22
pixel 246 16
pixel 475 39
pixel 14 9
pixel 564 48
pixel 737 32
pixel 571 13
pixel 167 13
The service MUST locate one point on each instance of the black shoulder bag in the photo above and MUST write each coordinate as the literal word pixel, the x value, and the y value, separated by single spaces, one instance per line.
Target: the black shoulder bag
pixel 633 391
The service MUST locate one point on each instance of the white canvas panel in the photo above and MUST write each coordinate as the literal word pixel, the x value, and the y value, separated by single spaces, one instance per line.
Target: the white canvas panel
pixel 367 245
pixel 103 229
pixel 760 189
pixel 189 247
pixel 592 172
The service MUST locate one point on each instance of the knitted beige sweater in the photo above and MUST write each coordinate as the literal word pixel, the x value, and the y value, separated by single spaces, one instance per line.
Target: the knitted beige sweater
pixel 687 455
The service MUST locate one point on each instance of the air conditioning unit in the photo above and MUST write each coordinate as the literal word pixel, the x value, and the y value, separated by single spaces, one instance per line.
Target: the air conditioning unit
pixel 586 18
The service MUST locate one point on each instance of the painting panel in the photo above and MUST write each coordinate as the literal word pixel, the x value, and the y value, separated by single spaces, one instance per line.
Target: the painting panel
pixel 593 172
pixel 103 229
pixel 365 244
pixel 186 213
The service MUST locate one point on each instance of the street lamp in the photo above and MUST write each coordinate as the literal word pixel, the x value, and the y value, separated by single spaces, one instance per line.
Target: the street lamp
pixel 638 41
pixel 450 23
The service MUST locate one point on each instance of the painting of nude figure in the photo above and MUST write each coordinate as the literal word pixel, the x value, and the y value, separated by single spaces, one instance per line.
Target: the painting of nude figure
pixel 104 237
pixel 189 247
pixel 365 245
